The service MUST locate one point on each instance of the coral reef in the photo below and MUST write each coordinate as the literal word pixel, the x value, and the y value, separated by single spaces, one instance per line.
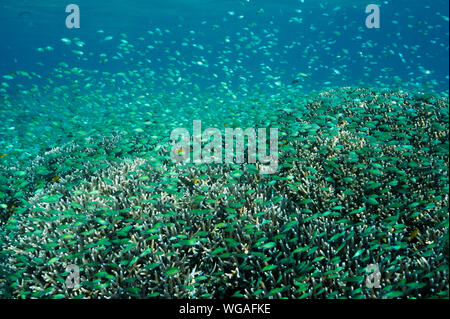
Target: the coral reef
pixel 363 180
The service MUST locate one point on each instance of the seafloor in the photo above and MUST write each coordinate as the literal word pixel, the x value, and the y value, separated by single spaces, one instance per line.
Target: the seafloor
pixel 362 180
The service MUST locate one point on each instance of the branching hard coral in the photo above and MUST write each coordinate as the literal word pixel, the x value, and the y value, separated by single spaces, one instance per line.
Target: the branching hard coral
pixel 359 175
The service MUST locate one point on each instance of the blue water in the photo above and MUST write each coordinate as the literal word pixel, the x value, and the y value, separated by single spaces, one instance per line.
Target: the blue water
pixel 410 49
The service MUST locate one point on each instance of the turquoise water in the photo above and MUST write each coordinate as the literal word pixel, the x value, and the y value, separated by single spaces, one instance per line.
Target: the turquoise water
pixel 87 176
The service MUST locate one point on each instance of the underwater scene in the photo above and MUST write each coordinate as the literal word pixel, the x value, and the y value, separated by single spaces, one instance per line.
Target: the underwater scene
pixel 213 149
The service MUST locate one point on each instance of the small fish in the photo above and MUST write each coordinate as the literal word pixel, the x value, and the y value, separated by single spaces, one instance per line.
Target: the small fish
pixel 23 13
pixel 301 74
pixel 66 41
pixel 413 234
pixel 55 179
pixel 3 155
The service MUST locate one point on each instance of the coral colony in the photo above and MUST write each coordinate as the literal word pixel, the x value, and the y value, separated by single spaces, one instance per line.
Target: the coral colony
pixel 362 180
